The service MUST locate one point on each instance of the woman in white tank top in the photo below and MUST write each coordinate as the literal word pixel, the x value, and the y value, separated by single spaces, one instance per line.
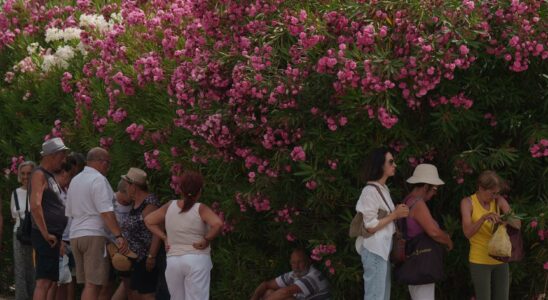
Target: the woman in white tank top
pixel 190 227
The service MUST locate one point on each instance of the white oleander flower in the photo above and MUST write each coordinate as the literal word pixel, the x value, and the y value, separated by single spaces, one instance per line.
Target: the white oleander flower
pixel 49 61
pixel 96 21
pixel 53 34
pixel 31 49
pixel 71 33
pixel 65 53
pixel 116 18
pixel 68 34
pixel 82 48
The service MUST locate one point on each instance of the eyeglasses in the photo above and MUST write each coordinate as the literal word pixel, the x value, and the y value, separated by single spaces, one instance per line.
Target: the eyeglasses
pixel 435 188
pixel 391 162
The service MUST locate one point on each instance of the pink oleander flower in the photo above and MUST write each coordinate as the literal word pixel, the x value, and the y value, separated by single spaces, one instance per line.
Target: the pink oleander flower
pixel 311 184
pixel 9 76
pixel 135 131
pixel 545 265
pixel 251 177
pixel 290 237
pixel 298 154
pixel 65 82
pixel 152 159
pixel 106 142
pixel 540 149
pixel 15 162
pixel 533 224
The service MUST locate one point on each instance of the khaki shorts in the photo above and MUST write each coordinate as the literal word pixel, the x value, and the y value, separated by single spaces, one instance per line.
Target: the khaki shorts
pixel 92 265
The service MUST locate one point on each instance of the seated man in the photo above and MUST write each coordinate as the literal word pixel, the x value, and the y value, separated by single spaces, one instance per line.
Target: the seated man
pixel 303 282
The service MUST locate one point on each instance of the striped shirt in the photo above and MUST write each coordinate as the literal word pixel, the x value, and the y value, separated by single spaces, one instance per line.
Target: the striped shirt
pixel 313 285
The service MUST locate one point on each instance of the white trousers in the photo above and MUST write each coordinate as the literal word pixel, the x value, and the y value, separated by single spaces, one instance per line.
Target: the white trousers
pixel 423 291
pixel 188 276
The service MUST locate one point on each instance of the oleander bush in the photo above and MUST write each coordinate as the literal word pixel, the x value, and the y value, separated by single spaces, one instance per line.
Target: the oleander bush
pixel 278 103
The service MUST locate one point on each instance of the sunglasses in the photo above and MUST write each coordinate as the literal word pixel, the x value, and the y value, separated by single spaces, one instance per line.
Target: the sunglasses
pixel 391 162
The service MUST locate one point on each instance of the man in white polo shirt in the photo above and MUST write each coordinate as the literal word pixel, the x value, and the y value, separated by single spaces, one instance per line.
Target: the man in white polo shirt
pixel 89 203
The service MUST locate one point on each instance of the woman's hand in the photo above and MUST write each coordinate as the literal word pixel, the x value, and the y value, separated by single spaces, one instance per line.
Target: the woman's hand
pixel 449 244
pixel 491 217
pixel 201 245
pixel 150 263
pixel 401 211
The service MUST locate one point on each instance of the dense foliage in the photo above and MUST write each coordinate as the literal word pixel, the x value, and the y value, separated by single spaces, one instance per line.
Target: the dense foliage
pixel 278 102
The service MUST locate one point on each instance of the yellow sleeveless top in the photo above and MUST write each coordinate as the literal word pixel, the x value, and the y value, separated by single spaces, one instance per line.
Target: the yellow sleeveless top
pixel 480 240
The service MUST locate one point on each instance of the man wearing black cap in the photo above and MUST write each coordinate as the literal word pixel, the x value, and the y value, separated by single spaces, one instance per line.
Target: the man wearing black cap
pixel 48 215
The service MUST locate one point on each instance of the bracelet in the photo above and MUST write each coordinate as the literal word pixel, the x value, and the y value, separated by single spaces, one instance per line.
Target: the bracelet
pixel 150 256
pixel 119 236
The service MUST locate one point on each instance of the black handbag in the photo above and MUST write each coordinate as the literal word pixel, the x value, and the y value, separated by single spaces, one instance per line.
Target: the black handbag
pixel 25 226
pixel 424 262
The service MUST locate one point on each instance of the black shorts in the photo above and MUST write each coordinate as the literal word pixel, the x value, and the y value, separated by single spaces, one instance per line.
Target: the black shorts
pixel 47 258
pixel 142 281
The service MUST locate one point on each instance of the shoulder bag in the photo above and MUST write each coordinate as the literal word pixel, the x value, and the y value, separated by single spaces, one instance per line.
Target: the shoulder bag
pixel 25 225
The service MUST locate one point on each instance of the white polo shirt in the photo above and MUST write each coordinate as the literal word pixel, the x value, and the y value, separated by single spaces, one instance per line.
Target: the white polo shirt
pixel 89 195
pixel 369 203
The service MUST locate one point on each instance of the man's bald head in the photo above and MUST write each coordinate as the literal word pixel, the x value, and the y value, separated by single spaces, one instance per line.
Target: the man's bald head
pixel 99 159
pixel 96 154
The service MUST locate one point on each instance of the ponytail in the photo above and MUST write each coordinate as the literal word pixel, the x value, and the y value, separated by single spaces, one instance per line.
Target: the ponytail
pixel 191 186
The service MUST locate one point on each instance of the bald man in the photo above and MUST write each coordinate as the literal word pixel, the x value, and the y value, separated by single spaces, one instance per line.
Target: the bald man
pixel 89 203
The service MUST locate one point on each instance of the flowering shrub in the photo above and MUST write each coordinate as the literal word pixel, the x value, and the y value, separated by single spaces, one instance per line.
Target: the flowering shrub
pixel 278 102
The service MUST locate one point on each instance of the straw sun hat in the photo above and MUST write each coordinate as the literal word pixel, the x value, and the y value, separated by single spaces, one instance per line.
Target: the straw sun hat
pixel 426 173
pixel 120 261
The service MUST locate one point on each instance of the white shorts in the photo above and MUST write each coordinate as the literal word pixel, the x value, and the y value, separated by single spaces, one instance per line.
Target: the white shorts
pixel 423 291
pixel 188 276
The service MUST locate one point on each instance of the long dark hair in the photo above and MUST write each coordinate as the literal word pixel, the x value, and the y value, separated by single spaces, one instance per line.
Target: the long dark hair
pixel 191 185
pixel 374 166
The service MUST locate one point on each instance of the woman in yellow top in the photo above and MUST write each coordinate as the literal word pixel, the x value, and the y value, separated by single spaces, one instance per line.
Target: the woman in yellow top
pixel 479 216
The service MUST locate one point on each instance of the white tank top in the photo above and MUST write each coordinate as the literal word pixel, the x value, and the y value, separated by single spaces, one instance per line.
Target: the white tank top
pixel 184 229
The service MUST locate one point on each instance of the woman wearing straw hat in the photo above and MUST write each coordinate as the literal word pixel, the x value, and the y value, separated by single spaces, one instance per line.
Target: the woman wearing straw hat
pixel 425 181
pixel 144 275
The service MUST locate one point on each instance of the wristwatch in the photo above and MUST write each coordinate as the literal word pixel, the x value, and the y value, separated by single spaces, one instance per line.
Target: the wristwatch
pixel 150 256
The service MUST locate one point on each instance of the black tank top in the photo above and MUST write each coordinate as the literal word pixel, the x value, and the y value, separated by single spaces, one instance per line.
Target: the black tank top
pixel 52 206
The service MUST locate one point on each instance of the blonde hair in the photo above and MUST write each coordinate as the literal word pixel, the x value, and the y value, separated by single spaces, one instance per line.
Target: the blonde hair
pixel 490 179
pixel 22 165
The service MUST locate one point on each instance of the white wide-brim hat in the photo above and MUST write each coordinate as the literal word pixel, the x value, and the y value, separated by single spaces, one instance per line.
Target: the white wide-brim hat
pixel 426 173
pixel 52 146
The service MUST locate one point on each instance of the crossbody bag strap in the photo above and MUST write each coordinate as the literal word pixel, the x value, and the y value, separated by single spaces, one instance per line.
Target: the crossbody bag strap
pixel 16 200
pixel 382 196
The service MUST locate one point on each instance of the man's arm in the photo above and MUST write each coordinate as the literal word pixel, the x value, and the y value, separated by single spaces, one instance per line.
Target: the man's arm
pixel 263 287
pixel 38 183
pixel 110 220
pixel 102 198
